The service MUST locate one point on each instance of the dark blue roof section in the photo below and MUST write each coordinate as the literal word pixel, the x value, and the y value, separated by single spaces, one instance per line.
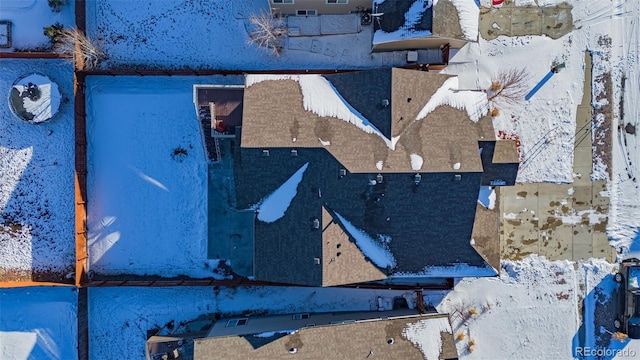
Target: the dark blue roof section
pixel 369 92
pixel 430 224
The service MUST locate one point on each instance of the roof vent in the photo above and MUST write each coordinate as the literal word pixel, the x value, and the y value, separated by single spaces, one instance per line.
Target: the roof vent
pixel 343 173
pixel 316 261
pixel 458 177
pixel 390 341
pixel 293 350
pixel 379 178
pixel 417 178
pixel 294 152
pixel 372 182
pixel 265 152
pixel 385 103
pixel 316 223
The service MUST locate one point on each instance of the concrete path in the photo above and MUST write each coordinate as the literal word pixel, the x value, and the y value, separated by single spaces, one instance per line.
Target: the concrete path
pixel 511 20
pixel 561 222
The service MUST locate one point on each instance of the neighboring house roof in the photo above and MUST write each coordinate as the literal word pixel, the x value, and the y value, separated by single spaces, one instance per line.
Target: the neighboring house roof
pixel 400 20
pixel 406 337
pixel 342 165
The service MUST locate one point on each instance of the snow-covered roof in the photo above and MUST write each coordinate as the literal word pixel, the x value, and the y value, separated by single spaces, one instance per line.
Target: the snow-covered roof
pixel 389 334
pixel 359 140
pixel 399 20
pixel 362 117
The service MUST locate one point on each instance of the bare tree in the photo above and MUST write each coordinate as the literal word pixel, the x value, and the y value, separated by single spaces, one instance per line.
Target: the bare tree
pixel 508 86
pixel 267 31
pixel 87 54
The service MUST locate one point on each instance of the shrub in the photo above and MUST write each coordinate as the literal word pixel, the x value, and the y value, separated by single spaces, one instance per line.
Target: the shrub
pixel 460 336
pixel 87 54
pixel 53 32
pixel 56 5
pixel 179 154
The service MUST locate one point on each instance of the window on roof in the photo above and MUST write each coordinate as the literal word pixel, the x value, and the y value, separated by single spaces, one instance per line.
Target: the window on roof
pixel 337 1
pixel 300 316
pixel 237 322
pixel 282 1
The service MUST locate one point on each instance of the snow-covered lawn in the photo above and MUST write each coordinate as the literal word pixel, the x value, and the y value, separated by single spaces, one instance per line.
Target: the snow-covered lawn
pixel 36 181
pixel 29 17
pixel 533 310
pixel 147 177
pixel 39 323
pixel 123 315
pixel 134 33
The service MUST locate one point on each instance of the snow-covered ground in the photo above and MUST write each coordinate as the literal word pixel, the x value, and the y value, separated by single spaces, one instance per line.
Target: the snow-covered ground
pixel 29 17
pixel 36 179
pixel 38 323
pixel 532 311
pixel 147 203
pixel 545 125
pixel 135 33
pixel 147 209
pixel 123 315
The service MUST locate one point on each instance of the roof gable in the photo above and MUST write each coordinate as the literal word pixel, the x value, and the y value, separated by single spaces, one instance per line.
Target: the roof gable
pixel 341 256
pixel 369 92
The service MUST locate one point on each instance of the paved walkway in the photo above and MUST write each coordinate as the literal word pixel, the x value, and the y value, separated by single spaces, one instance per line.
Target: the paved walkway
pixel 511 20
pixel 561 222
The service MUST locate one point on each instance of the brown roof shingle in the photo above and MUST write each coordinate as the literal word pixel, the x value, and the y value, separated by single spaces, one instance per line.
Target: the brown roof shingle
pixel 274 117
pixel 345 341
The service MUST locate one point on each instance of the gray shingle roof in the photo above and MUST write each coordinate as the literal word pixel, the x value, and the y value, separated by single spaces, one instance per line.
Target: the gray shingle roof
pixel 429 224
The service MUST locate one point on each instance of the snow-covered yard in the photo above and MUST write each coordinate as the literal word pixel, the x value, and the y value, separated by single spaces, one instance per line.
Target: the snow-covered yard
pixel 534 311
pixel 147 177
pixel 39 323
pixel 36 181
pixel 29 17
pixel 135 33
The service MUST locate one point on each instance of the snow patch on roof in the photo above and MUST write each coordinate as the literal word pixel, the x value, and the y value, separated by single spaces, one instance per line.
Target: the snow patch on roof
pixel 378 254
pixel 475 103
pixel 257 78
pixel 324 143
pixel 487 197
pixel 320 97
pixel 276 204
pixel 425 334
pixel 469 17
pixel 268 334
pixel 455 270
pixel 407 30
pixel 416 162
pixel 379 165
